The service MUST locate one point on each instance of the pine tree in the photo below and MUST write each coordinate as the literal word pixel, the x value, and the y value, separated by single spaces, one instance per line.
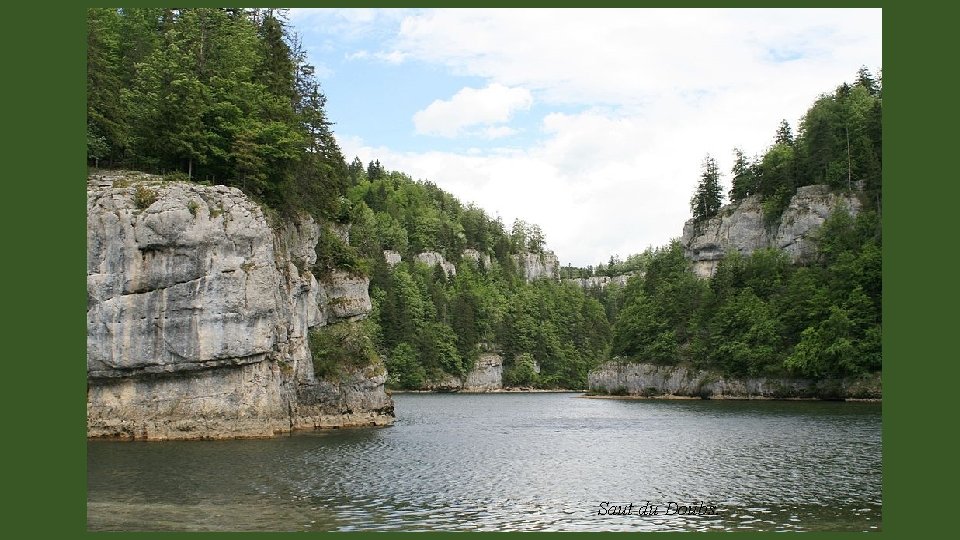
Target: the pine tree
pixel 707 199
pixel 866 80
pixel 375 170
pixel 744 182
pixel 784 134
pixel 106 122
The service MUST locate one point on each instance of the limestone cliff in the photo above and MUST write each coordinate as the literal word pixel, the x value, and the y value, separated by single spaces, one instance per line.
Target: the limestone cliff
pixel 650 380
pixel 600 282
pixel 534 266
pixel 432 258
pixel 740 226
pixel 198 313
pixel 486 376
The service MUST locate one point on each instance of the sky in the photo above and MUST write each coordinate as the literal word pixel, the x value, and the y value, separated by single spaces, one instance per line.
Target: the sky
pixel 592 123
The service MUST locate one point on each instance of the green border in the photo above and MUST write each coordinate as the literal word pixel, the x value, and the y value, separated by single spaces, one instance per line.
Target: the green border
pixel 45 219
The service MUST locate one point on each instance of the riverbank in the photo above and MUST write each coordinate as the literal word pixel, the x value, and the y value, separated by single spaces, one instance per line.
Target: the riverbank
pixel 725 398
pixel 643 381
pixel 520 390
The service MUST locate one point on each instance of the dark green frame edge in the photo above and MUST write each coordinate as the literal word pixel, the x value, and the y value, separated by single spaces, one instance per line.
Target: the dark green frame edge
pixel 45 220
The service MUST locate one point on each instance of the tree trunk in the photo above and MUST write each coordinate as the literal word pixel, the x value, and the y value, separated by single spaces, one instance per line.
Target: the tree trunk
pixel 190 169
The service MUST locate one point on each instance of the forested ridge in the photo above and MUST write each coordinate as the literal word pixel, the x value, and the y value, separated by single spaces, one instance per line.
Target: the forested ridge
pixel 760 314
pixel 226 96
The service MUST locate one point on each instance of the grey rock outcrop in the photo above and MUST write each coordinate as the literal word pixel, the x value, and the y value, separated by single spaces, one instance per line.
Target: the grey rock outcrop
pixel 447 383
pixel 650 380
pixel 198 314
pixel 392 258
pixel 432 258
pixel 480 259
pixel 486 375
pixel 599 282
pixel 346 296
pixel 740 226
pixel 533 266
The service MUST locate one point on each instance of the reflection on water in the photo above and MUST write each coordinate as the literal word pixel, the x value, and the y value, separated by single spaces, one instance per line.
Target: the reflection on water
pixel 512 462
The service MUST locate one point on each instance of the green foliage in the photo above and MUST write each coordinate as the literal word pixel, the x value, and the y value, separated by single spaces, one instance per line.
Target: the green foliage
pixel 744 335
pixel 225 95
pixel 193 206
pixel 522 372
pixel 759 315
pixel 215 94
pixel 334 254
pixel 655 323
pixel 839 143
pixel 745 177
pixel 342 346
pixel 707 199
pixel 774 205
pixel 143 197
pixel 433 324
pixel 404 370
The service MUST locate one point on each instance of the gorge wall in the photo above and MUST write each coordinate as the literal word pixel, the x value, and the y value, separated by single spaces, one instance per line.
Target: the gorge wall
pixel 740 226
pixel 198 315
pixel 531 266
pixel 650 380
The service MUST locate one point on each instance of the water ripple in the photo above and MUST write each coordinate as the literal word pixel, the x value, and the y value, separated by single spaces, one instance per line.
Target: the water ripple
pixel 514 462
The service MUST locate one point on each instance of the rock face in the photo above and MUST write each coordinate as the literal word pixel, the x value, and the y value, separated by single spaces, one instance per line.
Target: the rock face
pixel 432 258
pixel 481 259
pixel 345 296
pixel 392 258
pixel 740 226
pixel 675 381
pixel 486 375
pixel 534 266
pixel 599 282
pixel 198 314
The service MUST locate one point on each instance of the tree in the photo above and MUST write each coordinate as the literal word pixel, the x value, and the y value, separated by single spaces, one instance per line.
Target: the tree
pixel 784 134
pixel 867 81
pixel 707 199
pixel 375 170
pixel 536 240
pixel 106 117
pixel 518 235
pixel 744 174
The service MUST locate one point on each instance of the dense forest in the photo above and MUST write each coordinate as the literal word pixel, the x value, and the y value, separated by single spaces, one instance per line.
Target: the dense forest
pixel 215 95
pixel 430 323
pixel 758 314
pixel 226 96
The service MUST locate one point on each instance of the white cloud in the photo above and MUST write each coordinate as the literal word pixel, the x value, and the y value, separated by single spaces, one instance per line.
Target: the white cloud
pixel 655 89
pixel 471 107
pixel 498 132
pixel 626 56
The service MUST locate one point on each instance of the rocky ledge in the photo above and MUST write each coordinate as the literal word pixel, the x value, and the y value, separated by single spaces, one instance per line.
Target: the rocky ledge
pixel 740 226
pixel 648 380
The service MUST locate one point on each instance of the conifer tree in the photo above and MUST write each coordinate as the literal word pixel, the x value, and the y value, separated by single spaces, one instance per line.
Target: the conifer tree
pixel 707 199
pixel 744 182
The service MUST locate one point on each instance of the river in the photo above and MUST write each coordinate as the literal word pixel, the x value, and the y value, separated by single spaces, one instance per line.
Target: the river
pixel 512 461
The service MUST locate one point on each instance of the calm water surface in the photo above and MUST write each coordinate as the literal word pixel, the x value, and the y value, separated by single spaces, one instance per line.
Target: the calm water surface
pixel 512 462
